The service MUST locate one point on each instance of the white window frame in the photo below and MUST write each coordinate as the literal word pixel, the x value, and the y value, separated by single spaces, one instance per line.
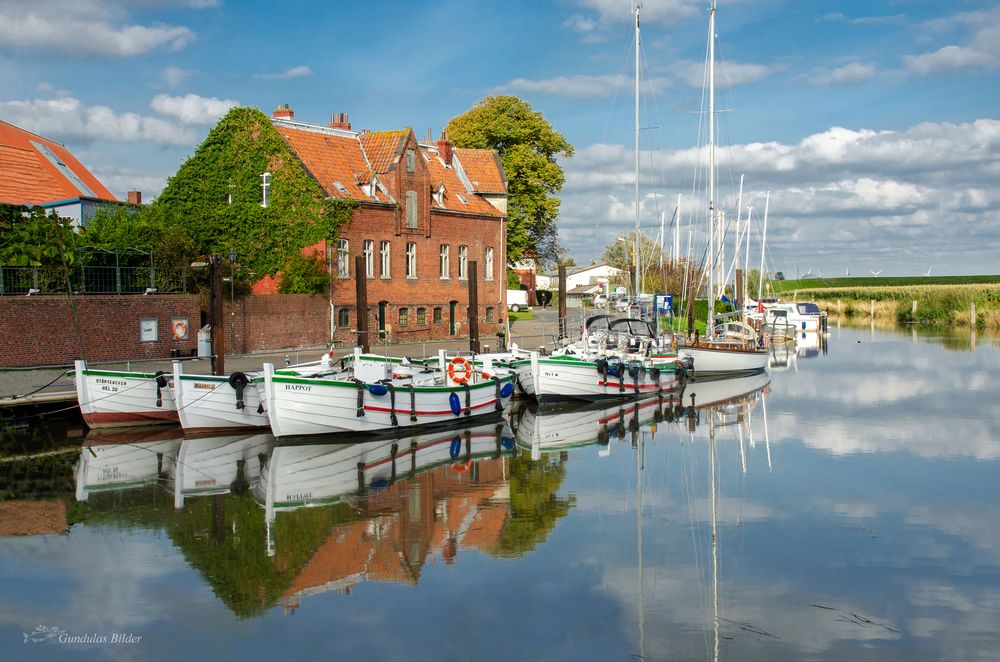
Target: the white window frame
pixel 411 260
pixel 343 258
pixel 369 253
pixel 488 271
pixel 444 262
pixel 463 263
pixel 385 259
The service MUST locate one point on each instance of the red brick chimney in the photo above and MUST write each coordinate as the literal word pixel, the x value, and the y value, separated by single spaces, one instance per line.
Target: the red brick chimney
pixel 340 121
pixel 135 198
pixel 444 148
pixel 284 112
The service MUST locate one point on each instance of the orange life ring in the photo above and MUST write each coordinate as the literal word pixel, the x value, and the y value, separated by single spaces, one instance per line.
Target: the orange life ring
pixel 461 467
pixel 487 375
pixel 459 370
pixel 180 329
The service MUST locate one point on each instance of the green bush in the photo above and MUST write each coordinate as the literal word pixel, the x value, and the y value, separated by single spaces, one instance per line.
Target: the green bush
pixel 304 275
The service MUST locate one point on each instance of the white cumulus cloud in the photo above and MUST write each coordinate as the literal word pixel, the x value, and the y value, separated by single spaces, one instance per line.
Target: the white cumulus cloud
pixel 83 27
pixel 191 108
pixel 852 72
pixel 300 71
pixel 581 86
pixel 69 119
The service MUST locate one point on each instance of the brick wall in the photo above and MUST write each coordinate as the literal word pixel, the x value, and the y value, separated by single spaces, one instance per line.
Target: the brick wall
pixel 428 290
pixel 41 330
pixel 258 323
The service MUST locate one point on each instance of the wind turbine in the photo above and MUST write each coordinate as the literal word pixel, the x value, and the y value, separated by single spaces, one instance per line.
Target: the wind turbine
pixel 875 273
pixel 929 270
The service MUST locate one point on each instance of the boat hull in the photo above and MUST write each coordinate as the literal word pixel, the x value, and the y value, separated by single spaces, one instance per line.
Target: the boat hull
pixel 726 361
pixel 207 403
pixel 301 406
pixel 111 398
pixel 555 379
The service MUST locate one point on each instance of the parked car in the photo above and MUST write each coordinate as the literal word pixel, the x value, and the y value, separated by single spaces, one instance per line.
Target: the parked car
pixel 599 300
pixel 621 305
pixel 517 300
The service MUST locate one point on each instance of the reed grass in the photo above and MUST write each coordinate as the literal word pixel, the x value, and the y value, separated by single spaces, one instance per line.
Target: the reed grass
pixel 943 305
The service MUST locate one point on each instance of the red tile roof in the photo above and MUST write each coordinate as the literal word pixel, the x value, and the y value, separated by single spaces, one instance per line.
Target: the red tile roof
pixel 336 155
pixel 329 156
pixel 383 148
pixel 483 168
pixel 27 177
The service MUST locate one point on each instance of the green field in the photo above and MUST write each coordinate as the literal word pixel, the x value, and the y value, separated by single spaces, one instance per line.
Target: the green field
pixel 778 286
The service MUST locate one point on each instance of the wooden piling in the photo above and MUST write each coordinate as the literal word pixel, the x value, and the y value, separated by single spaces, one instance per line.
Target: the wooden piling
pixel 473 307
pixel 215 315
pixel 562 301
pixel 972 314
pixel 361 302
pixel 872 308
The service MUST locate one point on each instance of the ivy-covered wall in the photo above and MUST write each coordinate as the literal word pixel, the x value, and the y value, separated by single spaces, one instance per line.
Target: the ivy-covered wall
pixel 216 195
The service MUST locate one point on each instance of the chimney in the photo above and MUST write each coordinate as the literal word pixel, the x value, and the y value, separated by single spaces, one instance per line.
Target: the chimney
pixel 444 148
pixel 135 198
pixel 284 112
pixel 340 121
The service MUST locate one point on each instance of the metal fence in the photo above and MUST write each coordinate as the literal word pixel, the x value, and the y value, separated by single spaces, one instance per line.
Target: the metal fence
pixel 94 280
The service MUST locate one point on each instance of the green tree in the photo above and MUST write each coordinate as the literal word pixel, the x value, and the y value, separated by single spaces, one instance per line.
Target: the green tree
pixel 217 196
pixel 528 147
pixel 32 238
pixel 620 253
pixel 304 274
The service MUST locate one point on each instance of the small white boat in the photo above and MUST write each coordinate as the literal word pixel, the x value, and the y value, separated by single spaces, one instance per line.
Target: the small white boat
pixel 216 403
pixel 118 398
pixel 569 376
pixel 735 347
pixel 213 465
pixel 377 395
pixel 792 318
pixel 125 459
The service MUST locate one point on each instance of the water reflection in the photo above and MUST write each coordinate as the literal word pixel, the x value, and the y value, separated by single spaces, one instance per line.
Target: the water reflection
pixel 844 507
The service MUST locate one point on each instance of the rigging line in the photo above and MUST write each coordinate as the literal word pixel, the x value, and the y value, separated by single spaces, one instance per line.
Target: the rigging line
pixel 58 377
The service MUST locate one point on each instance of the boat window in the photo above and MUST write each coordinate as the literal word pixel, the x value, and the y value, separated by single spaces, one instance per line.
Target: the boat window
pixel 808 308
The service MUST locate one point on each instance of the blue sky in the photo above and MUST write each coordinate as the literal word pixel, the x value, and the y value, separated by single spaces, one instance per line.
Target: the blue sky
pixel 874 124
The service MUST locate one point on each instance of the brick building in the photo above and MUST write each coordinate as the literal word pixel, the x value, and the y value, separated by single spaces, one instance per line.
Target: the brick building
pixel 425 211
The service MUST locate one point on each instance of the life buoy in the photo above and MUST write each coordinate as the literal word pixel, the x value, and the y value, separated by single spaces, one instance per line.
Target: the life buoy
pixel 459 370
pixel 180 329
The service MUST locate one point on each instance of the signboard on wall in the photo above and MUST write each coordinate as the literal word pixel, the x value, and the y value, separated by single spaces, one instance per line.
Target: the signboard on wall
pixel 179 328
pixel 148 329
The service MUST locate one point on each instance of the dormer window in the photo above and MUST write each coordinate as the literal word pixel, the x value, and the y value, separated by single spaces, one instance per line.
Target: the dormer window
pixel 461 198
pixel 340 187
pixel 439 195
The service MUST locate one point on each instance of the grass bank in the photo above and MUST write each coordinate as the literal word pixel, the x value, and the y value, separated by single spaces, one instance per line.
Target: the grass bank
pixel 932 304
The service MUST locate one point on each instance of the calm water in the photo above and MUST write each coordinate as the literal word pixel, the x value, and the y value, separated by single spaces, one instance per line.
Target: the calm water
pixel 854 505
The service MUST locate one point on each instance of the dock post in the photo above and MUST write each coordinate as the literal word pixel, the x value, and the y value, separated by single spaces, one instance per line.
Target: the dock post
pixel 972 314
pixel 872 308
pixel 562 301
pixel 361 299
pixel 473 307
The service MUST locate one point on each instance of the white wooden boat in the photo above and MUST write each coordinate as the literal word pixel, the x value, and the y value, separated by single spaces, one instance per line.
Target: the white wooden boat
pixel 319 474
pixel 211 403
pixel 212 465
pixel 125 459
pixel 734 348
pixel 117 398
pixel 792 318
pixel 377 395
pixel 568 376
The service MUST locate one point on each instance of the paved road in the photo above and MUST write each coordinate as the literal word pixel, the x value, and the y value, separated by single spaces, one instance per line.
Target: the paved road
pixel 532 333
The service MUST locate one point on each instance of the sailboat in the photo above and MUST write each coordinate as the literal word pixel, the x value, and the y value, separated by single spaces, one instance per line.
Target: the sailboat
pixel 734 345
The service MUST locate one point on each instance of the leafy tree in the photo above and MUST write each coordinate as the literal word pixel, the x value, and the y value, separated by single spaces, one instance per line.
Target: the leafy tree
pixel 216 195
pixel 620 252
pixel 528 147
pixel 305 274
pixel 32 238
pixel 535 506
